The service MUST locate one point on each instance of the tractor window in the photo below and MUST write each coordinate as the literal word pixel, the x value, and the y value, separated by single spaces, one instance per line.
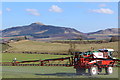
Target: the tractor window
pixel 110 54
pixel 105 54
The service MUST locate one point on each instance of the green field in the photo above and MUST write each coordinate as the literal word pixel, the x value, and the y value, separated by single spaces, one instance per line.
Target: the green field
pixel 42 71
pixel 8 57
pixel 47 72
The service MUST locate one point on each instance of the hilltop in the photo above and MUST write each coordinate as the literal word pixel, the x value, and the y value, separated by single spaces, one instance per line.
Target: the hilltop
pixel 38 30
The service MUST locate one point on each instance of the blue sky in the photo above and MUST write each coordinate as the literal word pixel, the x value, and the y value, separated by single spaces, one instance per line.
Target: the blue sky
pixel 83 16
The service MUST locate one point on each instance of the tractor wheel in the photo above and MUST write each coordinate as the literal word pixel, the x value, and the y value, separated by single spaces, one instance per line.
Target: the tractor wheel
pixel 99 69
pixel 93 70
pixel 108 70
pixel 80 71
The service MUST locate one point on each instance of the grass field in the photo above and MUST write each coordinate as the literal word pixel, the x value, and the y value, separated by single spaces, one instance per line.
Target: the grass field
pixel 3 47
pixel 8 57
pixel 42 71
pixel 47 72
pixel 35 46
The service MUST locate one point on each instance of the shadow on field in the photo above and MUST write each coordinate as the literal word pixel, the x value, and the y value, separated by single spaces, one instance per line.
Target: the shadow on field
pixel 64 74
pixel 71 74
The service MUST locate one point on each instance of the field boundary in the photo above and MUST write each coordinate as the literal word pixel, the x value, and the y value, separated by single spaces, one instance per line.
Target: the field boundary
pixel 28 52
pixel 81 42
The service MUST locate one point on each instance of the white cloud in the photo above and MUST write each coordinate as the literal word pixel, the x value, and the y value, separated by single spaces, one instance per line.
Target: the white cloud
pixel 102 5
pixel 0 12
pixel 55 8
pixel 103 10
pixel 8 9
pixel 33 12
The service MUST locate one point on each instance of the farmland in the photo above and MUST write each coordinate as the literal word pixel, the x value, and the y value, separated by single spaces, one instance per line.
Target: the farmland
pixel 8 57
pixel 47 47
pixel 45 71
pixel 3 46
pixel 42 71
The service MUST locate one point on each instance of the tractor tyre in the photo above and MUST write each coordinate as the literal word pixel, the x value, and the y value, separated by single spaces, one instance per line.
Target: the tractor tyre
pixel 80 71
pixel 93 70
pixel 108 70
pixel 99 69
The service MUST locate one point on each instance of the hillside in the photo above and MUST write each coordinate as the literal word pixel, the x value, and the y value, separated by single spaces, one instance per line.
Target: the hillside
pixel 104 34
pixel 4 46
pixel 39 30
pixel 110 31
pixel 47 47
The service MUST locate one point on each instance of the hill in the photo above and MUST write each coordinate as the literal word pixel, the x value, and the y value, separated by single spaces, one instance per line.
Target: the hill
pixel 4 46
pixel 40 31
pixel 110 31
pixel 104 34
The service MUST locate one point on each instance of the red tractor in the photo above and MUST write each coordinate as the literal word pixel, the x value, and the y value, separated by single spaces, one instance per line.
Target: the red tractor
pixel 94 61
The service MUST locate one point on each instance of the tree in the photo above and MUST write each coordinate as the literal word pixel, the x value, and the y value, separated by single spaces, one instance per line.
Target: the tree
pixel 72 48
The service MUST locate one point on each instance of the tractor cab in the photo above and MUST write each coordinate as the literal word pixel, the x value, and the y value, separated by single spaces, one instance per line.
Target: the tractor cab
pixel 107 53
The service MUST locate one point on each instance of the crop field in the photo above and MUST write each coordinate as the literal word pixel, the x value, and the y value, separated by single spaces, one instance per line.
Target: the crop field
pixel 46 71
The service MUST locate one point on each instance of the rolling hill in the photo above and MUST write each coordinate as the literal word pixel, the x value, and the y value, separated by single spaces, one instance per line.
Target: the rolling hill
pixel 110 31
pixel 104 34
pixel 39 30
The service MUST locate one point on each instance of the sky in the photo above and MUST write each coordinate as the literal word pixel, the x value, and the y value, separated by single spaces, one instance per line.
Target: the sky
pixel 60 0
pixel 82 16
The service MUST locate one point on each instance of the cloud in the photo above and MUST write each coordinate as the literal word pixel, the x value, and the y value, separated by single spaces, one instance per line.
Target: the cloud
pixel 0 12
pixel 102 5
pixel 8 9
pixel 103 10
pixel 55 8
pixel 33 12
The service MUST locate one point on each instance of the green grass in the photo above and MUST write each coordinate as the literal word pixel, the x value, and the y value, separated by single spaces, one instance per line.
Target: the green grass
pixel 47 72
pixel 8 57
pixel 41 71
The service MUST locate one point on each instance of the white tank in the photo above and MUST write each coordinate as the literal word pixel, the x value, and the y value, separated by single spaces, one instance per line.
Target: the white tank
pixel 98 55
pixel 110 50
